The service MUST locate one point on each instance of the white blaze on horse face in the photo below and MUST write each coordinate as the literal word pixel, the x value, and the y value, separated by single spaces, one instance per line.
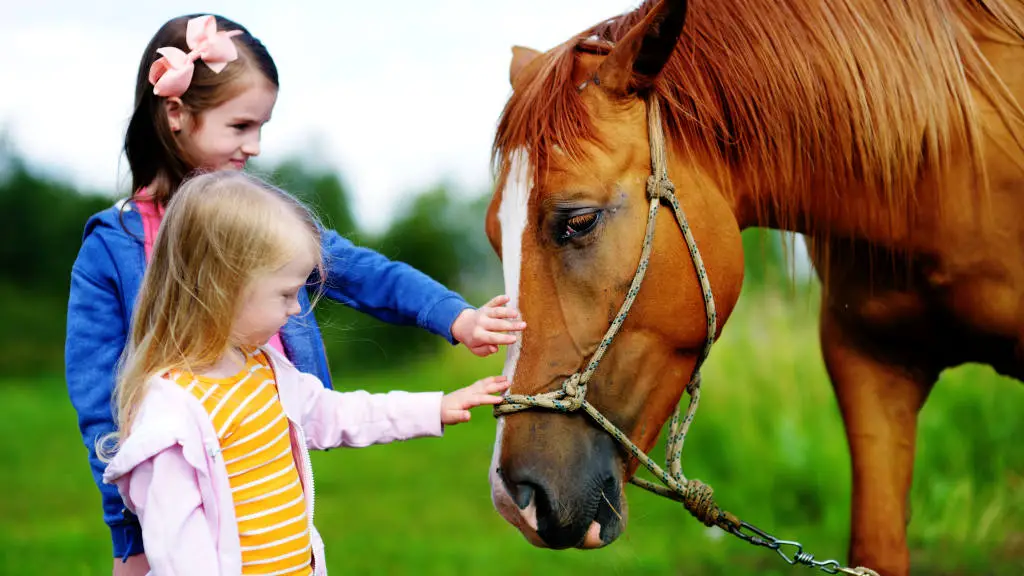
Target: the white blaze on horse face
pixel 512 217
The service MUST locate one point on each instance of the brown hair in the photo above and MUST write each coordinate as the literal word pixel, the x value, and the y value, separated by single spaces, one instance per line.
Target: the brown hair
pixel 222 232
pixel 155 156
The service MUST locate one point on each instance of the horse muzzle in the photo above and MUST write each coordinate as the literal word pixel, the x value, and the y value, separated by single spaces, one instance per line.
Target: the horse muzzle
pixel 582 508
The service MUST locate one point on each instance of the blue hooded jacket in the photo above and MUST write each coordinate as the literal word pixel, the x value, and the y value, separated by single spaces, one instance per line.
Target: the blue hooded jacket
pixel 105 281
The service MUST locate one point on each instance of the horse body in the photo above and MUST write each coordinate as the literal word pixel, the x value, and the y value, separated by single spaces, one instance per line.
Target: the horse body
pixel 890 135
pixel 893 320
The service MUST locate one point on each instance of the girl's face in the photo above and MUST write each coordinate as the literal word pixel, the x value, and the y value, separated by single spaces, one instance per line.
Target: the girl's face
pixel 271 299
pixel 226 136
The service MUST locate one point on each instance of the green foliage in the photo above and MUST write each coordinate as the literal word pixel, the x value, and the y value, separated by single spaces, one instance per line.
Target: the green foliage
pixel 321 190
pixel 41 229
pixel 422 236
pixel 439 235
pixel 770 262
pixel 41 224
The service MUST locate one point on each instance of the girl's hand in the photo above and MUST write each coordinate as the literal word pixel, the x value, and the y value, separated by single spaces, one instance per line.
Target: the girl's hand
pixel 455 405
pixel 482 330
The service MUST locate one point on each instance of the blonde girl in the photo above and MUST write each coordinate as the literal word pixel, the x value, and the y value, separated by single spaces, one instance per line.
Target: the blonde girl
pixel 213 423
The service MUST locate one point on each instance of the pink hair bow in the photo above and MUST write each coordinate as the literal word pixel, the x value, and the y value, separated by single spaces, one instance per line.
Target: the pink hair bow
pixel 172 74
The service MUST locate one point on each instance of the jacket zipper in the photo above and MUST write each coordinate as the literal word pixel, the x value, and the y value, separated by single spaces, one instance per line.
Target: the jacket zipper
pixel 307 472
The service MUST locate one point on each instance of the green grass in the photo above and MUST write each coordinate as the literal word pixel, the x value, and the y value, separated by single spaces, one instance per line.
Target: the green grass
pixel 768 438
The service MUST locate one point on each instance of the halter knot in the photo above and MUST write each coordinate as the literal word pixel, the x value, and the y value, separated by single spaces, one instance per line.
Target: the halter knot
pixel 659 186
pixel 570 386
pixel 699 500
pixel 574 391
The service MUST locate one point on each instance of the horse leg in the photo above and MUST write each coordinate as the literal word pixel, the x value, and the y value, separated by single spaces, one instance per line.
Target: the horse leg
pixel 879 400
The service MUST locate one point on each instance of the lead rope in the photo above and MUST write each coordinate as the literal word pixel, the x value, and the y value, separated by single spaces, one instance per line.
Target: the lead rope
pixel 696 497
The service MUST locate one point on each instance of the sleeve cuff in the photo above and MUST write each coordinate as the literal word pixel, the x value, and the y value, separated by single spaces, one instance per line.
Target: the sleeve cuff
pixel 440 317
pixel 127 537
pixel 433 426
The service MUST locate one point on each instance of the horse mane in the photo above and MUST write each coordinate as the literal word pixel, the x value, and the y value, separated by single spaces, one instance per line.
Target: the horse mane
pixel 799 100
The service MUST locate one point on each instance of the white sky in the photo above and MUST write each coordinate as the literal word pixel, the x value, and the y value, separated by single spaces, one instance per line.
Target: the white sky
pixel 395 95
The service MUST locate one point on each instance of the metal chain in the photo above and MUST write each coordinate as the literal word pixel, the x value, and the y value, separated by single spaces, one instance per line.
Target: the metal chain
pixel 796 556
pixel 696 497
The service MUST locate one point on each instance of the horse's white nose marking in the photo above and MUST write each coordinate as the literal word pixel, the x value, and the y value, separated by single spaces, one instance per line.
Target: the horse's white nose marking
pixel 512 217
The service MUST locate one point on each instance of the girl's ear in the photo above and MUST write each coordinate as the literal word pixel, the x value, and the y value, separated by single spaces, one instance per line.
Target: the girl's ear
pixel 175 113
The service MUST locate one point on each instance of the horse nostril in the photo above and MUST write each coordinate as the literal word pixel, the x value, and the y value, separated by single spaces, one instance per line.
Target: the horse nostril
pixel 522 494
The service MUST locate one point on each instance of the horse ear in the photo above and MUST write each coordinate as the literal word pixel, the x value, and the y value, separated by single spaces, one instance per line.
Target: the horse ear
pixel 639 57
pixel 521 58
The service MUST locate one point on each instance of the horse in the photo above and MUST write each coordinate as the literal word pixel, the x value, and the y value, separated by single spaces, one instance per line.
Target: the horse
pixel 889 134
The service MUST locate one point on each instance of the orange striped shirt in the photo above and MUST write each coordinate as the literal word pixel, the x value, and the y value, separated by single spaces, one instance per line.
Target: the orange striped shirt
pixel 256 446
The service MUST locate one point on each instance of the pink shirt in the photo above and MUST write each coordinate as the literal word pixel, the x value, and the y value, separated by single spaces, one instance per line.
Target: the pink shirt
pixel 152 214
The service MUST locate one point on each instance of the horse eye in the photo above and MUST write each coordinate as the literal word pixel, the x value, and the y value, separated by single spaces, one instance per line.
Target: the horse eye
pixel 578 225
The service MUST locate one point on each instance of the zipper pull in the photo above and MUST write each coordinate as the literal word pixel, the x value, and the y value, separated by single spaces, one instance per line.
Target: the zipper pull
pixel 212 450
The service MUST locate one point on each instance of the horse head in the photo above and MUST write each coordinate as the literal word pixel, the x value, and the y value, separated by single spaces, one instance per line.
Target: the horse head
pixel 569 220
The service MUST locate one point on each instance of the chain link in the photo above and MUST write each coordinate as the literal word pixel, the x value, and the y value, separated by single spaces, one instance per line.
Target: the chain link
pixel 796 555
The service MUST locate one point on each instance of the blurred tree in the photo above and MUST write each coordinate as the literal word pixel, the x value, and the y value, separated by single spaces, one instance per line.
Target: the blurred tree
pixel 480 276
pixel 321 189
pixel 426 235
pixel 439 235
pixel 41 224
pixel 41 230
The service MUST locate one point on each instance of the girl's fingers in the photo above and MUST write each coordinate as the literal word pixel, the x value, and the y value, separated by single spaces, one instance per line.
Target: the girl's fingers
pixel 482 399
pixel 495 387
pixel 498 338
pixel 457 416
pixel 493 337
pixel 490 385
pixel 502 312
pixel 498 300
pixel 497 325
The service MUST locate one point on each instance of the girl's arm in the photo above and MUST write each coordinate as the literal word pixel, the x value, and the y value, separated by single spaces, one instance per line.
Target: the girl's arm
pixel 357 419
pixel 164 493
pixel 331 418
pixel 390 291
pixel 96 334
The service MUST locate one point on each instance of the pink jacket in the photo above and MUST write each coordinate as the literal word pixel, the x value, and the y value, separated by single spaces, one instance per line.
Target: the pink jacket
pixel 170 473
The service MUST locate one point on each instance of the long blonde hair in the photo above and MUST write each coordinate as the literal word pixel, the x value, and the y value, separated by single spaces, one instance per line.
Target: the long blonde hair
pixel 221 232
